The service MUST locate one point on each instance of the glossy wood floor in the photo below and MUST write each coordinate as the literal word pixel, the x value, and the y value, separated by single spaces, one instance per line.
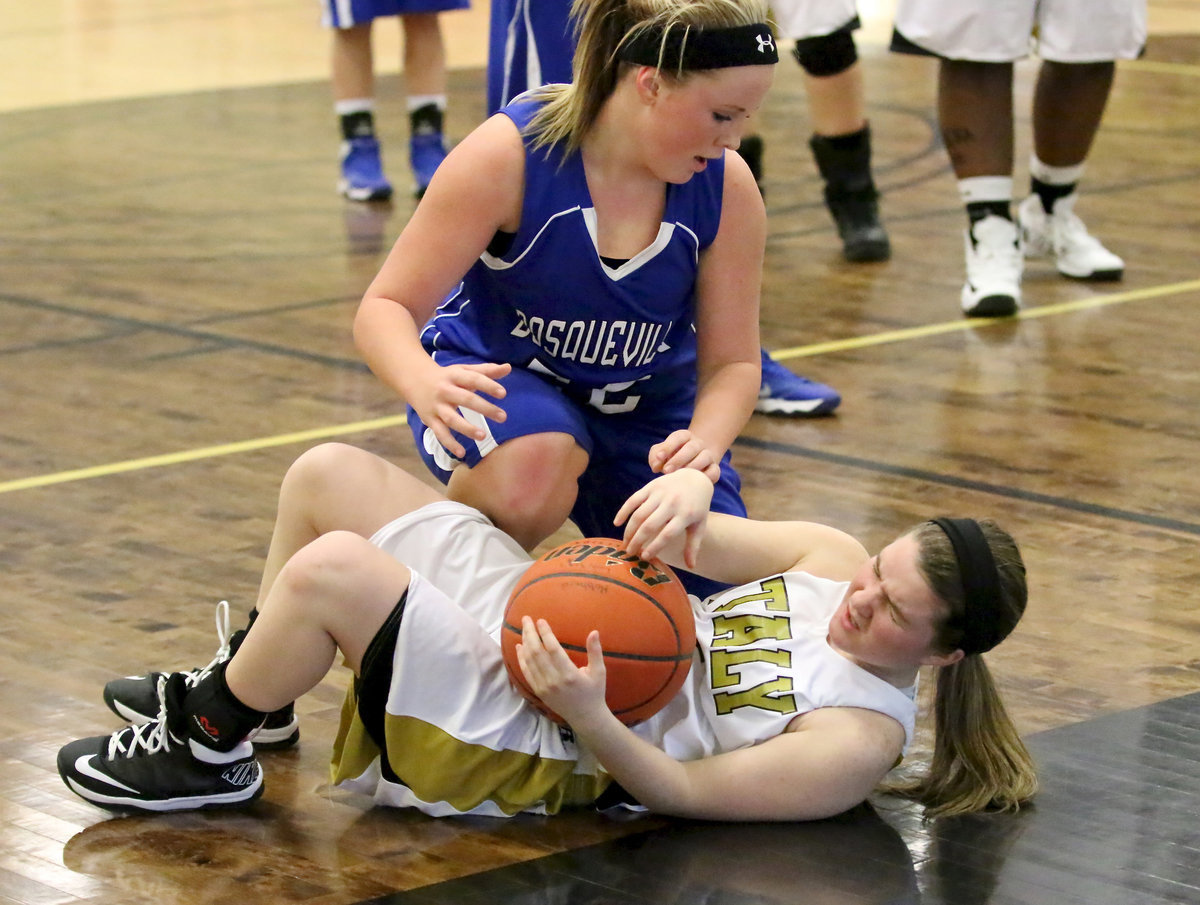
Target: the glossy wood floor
pixel 177 280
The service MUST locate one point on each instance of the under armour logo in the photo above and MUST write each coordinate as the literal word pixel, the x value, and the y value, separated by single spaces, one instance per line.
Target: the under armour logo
pixel 764 41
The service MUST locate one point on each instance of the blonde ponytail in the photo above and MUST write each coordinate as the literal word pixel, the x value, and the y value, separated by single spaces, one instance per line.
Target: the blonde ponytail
pixel 979 761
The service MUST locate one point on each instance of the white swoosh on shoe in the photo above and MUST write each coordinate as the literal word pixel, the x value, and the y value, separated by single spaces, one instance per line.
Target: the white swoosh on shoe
pixel 83 766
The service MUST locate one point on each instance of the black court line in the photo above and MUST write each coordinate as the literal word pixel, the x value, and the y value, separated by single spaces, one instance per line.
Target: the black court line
pixel 949 480
pixel 124 326
pixel 1117 823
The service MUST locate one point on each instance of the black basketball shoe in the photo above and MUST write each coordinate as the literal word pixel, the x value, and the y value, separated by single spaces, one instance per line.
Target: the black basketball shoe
pixel 156 767
pixel 135 698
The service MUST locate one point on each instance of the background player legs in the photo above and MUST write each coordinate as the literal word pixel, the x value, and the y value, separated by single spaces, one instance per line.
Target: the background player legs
pixel 975 113
pixel 425 82
pixel 1068 105
pixel 353 76
pixel 840 141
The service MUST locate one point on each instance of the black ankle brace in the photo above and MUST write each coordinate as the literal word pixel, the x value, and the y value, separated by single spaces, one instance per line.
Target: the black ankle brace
pixel 214 717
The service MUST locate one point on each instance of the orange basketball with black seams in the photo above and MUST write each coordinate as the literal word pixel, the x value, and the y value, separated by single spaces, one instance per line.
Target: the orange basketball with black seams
pixel 641 610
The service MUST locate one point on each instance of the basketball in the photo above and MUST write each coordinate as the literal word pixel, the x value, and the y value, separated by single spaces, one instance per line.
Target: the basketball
pixel 640 609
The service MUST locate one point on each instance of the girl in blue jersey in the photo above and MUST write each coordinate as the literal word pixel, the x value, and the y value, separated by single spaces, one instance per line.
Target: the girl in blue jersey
pixel 606 328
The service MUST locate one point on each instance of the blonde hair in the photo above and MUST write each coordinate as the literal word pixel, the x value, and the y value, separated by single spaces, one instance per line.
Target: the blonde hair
pixel 979 761
pixel 601 28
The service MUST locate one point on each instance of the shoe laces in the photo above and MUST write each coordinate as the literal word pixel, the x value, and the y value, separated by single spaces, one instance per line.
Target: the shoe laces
pixel 995 243
pixel 1069 229
pixel 150 737
pixel 193 677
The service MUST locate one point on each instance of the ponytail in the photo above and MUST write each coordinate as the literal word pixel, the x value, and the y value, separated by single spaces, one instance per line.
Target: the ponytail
pixel 979 761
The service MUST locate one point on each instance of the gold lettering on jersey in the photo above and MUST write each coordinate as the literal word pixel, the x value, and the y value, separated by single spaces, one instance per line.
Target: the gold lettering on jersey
pixel 772 593
pixel 774 696
pixel 738 630
pixel 727 664
pixel 739 655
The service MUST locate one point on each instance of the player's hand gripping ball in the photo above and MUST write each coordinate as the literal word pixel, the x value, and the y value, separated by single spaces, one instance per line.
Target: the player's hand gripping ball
pixel 641 610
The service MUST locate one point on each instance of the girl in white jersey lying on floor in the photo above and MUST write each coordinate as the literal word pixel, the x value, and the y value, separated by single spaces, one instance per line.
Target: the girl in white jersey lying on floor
pixel 411 587
pixel 606 328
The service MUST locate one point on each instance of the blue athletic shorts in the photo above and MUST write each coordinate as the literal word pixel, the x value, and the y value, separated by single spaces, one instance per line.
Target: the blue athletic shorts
pixel 344 13
pixel 617 446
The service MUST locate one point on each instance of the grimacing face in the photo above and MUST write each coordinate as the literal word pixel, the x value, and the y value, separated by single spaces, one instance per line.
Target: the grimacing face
pixel 888 620
pixel 698 118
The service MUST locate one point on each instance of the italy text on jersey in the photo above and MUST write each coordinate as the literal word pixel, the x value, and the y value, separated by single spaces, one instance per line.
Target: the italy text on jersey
pixel 628 344
pixel 747 667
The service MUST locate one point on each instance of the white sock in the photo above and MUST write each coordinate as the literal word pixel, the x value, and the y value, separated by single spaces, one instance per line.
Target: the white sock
pixel 1043 172
pixel 417 101
pixel 986 189
pixel 354 105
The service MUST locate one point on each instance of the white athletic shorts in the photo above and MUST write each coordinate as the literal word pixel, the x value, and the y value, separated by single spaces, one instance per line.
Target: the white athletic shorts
pixel 795 19
pixel 460 552
pixel 458 737
pixel 1001 31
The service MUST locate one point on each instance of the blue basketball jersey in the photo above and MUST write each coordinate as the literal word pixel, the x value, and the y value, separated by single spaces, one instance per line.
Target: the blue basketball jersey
pixel 606 354
pixel 608 336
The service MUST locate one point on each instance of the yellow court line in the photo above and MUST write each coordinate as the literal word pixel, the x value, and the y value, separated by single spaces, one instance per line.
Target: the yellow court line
pixel 207 452
pixel 894 336
pixel 354 427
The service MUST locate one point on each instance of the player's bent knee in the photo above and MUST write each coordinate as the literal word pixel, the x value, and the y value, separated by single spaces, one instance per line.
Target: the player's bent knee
pixel 315 466
pixel 330 565
pixel 527 487
pixel 826 55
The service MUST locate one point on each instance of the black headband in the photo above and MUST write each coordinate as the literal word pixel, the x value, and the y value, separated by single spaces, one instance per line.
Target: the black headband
pixel 684 47
pixel 980 582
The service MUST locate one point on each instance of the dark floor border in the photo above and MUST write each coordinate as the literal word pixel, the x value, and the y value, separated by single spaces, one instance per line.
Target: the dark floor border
pixel 1117 823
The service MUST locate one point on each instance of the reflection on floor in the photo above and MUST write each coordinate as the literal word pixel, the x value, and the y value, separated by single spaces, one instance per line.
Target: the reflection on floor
pixel 1117 823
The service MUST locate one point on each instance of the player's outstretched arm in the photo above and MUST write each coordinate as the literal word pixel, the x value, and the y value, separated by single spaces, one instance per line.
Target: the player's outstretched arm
pixel 669 519
pixel 828 761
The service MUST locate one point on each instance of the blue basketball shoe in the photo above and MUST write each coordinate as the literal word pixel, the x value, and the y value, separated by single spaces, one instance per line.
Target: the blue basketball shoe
pixel 786 393
pixel 362 171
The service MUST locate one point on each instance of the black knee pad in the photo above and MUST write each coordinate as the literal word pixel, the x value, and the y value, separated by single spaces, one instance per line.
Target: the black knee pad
pixel 828 54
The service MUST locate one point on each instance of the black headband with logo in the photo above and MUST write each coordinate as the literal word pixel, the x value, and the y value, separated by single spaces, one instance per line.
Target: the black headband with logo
pixel 682 47
pixel 980 583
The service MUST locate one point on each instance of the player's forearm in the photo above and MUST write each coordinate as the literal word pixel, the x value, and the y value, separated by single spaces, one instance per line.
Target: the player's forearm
pixel 649 774
pixel 724 402
pixel 388 338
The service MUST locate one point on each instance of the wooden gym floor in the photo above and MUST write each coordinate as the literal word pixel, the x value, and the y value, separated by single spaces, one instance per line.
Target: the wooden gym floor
pixel 177 280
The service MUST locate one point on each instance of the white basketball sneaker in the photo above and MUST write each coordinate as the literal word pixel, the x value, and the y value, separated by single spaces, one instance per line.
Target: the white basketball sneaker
pixel 1061 235
pixel 994 267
